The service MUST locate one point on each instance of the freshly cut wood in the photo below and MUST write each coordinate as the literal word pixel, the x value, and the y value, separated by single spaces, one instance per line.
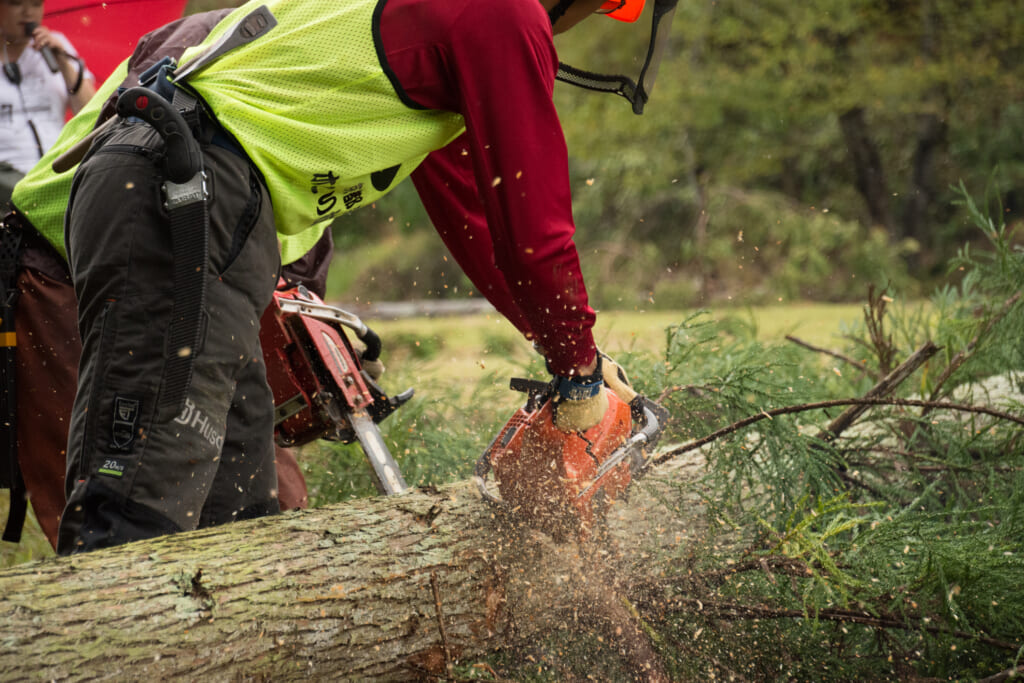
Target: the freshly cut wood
pixel 376 589
pixel 883 388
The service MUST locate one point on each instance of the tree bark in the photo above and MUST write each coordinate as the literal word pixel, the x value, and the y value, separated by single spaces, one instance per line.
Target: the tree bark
pixel 923 185
pixel 376 589
pixel 867 166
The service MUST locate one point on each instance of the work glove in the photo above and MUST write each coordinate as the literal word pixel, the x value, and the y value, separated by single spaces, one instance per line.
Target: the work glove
pixel 581 402
pixel 374 368
pixel 615 378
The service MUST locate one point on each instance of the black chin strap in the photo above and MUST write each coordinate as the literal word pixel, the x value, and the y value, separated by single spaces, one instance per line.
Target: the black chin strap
pixel 637 92
pixel 618 84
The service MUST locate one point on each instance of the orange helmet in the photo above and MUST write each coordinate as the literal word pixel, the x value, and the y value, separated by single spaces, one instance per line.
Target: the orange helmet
pixel 623 10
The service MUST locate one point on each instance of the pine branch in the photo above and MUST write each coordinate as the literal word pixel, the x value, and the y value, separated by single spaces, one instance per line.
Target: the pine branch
pixel 874 318
pixel 819 405
pixel 884 387
pixel 835 354
pixel 779 565
pixel 961 356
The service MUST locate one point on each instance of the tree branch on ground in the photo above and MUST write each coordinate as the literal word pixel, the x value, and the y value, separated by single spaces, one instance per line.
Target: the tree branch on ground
pixel 835 354
pixel 821 405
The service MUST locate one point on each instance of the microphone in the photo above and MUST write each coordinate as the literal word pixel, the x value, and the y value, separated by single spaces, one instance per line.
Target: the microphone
pixel 46 51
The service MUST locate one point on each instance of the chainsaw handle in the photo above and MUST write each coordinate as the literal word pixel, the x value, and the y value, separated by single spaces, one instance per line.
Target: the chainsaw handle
pixel 652 427
pixel 316 309
pixel 372 342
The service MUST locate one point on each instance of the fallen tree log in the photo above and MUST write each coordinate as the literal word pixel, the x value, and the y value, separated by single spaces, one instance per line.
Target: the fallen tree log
pixel 376 589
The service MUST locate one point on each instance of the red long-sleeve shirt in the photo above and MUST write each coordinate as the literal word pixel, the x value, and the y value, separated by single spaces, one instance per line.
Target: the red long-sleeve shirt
pixel 498 195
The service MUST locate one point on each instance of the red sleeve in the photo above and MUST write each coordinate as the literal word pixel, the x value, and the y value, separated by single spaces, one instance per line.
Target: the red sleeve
pixel 494 62
pixel 447 187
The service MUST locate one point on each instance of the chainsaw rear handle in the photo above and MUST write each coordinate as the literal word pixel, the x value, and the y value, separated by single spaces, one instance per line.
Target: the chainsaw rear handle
pixel 184 157
pixel 652 426
pixel 647 435
pixel 320 311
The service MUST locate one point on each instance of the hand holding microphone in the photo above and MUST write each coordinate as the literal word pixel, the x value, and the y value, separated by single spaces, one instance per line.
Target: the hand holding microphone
pixel 48 56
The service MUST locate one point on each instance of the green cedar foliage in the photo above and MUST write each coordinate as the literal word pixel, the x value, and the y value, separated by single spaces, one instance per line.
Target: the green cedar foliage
pixel 892 551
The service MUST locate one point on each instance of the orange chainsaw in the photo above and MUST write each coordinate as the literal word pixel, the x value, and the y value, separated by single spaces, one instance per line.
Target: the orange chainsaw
pixel 564 482
pixel 321 390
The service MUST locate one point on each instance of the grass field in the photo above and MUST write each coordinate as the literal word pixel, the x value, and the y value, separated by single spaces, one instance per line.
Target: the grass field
pixel 473 347
pixel 450 354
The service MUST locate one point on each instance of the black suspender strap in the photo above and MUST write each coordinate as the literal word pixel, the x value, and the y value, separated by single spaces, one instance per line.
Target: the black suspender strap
pixel 186 200
pixel 187 204
pixel 10 472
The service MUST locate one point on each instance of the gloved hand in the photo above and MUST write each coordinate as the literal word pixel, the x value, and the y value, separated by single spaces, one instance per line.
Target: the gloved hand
pixel 579 415
pixel 581 402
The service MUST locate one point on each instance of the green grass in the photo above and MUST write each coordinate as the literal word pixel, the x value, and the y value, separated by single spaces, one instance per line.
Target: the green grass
pixel 472 348
pixel 33 544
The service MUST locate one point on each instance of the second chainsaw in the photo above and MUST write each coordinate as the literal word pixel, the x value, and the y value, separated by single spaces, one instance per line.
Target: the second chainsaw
pixel 321 387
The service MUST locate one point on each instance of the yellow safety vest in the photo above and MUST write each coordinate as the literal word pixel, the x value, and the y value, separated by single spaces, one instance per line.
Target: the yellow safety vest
pixel 310 103
pixel 314 108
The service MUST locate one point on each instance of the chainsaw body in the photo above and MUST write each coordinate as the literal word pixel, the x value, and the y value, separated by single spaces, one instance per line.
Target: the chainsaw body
pixel 320 390
pixel 564 482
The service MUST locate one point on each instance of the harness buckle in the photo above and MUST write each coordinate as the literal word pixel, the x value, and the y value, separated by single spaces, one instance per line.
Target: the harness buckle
pixel 180 195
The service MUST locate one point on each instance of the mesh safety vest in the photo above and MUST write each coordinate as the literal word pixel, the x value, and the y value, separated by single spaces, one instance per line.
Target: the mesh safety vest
pixel 315 109
pixel 311 103
pixel 42 195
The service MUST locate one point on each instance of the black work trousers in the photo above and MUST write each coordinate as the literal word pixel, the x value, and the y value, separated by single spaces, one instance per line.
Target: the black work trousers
pixel 135 471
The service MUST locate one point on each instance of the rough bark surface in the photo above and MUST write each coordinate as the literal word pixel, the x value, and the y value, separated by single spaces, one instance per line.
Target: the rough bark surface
pixel 363 590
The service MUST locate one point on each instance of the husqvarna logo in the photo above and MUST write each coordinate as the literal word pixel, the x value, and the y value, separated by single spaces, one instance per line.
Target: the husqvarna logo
pixel 199 422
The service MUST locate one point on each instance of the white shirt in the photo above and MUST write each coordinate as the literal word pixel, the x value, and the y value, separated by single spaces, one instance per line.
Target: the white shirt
pixel 43 99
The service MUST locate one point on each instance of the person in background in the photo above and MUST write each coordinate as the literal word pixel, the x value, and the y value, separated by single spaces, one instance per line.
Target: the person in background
pixel 43 79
